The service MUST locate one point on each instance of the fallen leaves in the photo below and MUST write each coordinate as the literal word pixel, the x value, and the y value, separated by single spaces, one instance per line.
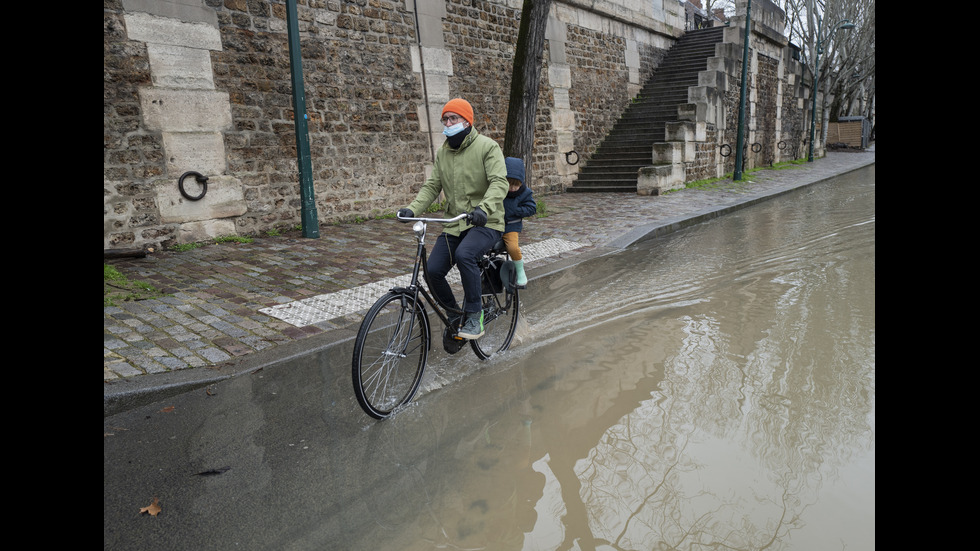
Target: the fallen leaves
pixel 212 472
pixel 111 431
pixel 153 508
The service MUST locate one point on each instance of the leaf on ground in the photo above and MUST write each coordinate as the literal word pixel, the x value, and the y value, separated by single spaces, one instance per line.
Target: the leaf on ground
pixel 167 409
pixel 153 508
pixel 212 472
pixel 113 433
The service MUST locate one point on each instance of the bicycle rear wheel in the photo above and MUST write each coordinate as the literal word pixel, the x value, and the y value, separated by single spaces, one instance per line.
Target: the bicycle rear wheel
pixel 500 311
pixel 390 353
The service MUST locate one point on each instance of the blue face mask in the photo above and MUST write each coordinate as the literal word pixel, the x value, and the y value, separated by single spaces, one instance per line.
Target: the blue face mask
pixel 454 129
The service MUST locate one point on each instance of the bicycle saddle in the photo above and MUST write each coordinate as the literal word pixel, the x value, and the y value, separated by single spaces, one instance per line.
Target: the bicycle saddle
pixel 499 247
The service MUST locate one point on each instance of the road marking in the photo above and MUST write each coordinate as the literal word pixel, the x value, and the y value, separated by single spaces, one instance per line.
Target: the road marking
pixel 321 308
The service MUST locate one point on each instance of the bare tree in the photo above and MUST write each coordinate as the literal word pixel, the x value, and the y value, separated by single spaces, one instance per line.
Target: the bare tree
pixel 727 6
pixel 525 82
pixel 846 56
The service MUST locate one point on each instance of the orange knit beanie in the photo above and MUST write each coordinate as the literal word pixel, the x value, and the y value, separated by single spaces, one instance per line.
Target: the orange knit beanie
pixel 461 107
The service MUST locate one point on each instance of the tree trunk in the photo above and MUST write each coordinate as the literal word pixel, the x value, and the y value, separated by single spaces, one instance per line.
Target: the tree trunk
pixel 525 82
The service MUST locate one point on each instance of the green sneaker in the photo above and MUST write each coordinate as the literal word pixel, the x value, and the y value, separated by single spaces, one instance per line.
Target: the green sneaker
pixel 473 328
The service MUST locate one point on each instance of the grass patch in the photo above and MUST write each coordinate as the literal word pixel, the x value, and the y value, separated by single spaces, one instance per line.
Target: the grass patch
pixel 118 288
pixel 542 210
pixel 187 247
pixel 726 182
pixel 233 239
pixel 789 165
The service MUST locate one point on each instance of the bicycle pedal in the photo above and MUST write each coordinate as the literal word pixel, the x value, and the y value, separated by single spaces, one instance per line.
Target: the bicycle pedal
pixel 451 343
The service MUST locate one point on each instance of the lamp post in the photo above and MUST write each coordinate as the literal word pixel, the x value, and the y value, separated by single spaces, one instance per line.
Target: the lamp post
pixel 740 136
pixel 844 24
pixel 308 217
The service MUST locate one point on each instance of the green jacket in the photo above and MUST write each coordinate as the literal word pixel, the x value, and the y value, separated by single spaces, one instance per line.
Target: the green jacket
pixel 472 176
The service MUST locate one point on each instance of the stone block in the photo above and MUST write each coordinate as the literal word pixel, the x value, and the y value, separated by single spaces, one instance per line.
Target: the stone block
pixel 556 30
pixel 561 98
pixel 224 199
pixel 180 67
pixel 560 76
pixel 563 119
pixel 565 142
pixel 416 59
pixel 668 153
pixel 437 61
pixel 205 230
pixel 687 112
pixel 183 10
pixel 185 110
pixel 430 31
pixel 713 79
pixel 632 54
pixel 437 87
pixel 659 179
pixel 151 29
pixel 556 51
pixel 679 131
pixel 202 152
pixel 431 8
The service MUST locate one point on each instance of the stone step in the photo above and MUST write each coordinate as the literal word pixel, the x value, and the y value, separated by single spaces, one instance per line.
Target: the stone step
pixel 629 186
pixel 629 145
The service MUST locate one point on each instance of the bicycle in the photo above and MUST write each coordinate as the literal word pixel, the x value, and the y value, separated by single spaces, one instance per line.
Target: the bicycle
pixel 394 339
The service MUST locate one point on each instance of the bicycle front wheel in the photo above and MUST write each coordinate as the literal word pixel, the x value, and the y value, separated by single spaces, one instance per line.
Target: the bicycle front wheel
pixel 500 312
pixel 390 353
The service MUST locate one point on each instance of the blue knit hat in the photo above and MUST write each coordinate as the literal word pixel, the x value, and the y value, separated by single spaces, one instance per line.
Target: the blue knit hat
pixel 515 168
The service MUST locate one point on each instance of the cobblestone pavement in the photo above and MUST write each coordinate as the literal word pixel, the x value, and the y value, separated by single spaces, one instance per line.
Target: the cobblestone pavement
pixel 229 301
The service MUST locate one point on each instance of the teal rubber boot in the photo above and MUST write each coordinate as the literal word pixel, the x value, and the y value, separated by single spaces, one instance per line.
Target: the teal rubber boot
pixel 521 276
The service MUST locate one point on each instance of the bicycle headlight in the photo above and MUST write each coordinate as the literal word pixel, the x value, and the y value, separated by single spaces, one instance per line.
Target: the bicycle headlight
pixel 419 229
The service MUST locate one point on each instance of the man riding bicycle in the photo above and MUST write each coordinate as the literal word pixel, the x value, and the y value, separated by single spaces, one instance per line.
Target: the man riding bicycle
pixel 469 170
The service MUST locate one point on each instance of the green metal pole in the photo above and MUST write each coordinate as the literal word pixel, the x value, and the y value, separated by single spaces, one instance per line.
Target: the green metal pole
pixel 311 226
pixel 740 141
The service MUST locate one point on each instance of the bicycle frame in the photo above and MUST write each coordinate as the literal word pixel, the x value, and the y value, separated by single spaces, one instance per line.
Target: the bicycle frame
pixel 392 344
pixel 414 289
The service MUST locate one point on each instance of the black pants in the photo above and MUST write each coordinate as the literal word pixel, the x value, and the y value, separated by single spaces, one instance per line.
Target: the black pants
pixel 463 252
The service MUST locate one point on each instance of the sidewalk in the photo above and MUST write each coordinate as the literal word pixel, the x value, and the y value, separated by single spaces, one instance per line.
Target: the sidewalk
pixel 233 307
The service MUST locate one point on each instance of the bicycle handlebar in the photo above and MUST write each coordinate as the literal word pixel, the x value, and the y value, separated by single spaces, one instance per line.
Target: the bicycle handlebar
pixel 437 220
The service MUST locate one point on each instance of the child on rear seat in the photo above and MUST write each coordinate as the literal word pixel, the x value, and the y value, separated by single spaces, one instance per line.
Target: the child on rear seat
pixel 518 204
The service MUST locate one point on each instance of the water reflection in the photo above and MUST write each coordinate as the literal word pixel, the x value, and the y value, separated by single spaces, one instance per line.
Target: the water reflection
pixel 712 397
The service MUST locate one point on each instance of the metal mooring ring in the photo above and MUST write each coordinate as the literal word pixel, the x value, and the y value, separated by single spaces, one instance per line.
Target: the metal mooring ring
pixel 568 157
pixel 726 150
pixel 203 180
pixel 756 147
pixel 781 145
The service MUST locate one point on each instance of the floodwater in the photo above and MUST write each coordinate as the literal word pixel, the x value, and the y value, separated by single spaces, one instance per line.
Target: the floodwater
pixel 711 389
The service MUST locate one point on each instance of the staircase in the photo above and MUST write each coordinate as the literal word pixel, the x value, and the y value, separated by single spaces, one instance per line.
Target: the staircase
pixel 629 145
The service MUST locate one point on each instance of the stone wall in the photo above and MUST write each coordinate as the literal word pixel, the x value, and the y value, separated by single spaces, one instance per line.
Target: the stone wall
pixel 775 107
pixel 204 85
pixel 765 114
